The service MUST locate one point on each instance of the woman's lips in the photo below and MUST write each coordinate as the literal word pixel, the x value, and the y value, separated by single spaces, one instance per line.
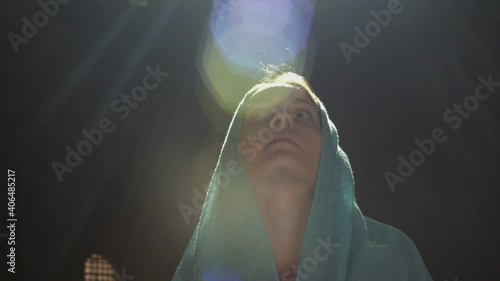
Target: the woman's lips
pixel 281 139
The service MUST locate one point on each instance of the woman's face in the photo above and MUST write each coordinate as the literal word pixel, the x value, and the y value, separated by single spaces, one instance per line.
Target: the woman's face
pixel 281 137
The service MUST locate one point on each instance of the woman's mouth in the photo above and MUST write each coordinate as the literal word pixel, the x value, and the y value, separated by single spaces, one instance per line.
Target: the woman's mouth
pixel 282 139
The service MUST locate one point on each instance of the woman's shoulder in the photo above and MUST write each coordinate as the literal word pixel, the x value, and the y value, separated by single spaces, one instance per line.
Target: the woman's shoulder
pixel 394 253
pixel 388 236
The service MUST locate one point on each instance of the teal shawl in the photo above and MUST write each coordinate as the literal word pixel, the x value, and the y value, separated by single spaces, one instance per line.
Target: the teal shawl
pixel 230 242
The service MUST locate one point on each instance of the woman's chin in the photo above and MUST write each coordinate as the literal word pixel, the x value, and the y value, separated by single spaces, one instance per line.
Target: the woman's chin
pixel 286 167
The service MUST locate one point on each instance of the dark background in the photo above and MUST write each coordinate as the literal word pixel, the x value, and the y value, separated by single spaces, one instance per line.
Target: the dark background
pixel 122 200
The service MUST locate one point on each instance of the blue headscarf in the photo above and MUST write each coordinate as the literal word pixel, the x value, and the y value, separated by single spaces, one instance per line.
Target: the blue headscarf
pixel 230 242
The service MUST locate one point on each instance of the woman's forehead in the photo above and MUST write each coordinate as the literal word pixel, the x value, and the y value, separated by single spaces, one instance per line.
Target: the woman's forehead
pixel 275 94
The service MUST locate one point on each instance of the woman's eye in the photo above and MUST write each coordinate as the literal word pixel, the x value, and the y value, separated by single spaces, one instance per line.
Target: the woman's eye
pixel 302 114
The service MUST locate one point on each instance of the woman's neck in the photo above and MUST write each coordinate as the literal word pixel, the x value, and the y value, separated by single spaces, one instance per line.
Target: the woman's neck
pixel 285 212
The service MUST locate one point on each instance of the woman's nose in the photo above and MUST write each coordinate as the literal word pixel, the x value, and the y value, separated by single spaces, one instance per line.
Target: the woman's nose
pixel 280 120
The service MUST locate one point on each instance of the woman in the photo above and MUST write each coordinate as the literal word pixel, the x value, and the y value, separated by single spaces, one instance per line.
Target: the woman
pixel 281 204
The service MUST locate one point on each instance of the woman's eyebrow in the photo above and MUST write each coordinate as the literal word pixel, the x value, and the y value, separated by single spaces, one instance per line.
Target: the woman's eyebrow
pixel 306 101
pixel 303 101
